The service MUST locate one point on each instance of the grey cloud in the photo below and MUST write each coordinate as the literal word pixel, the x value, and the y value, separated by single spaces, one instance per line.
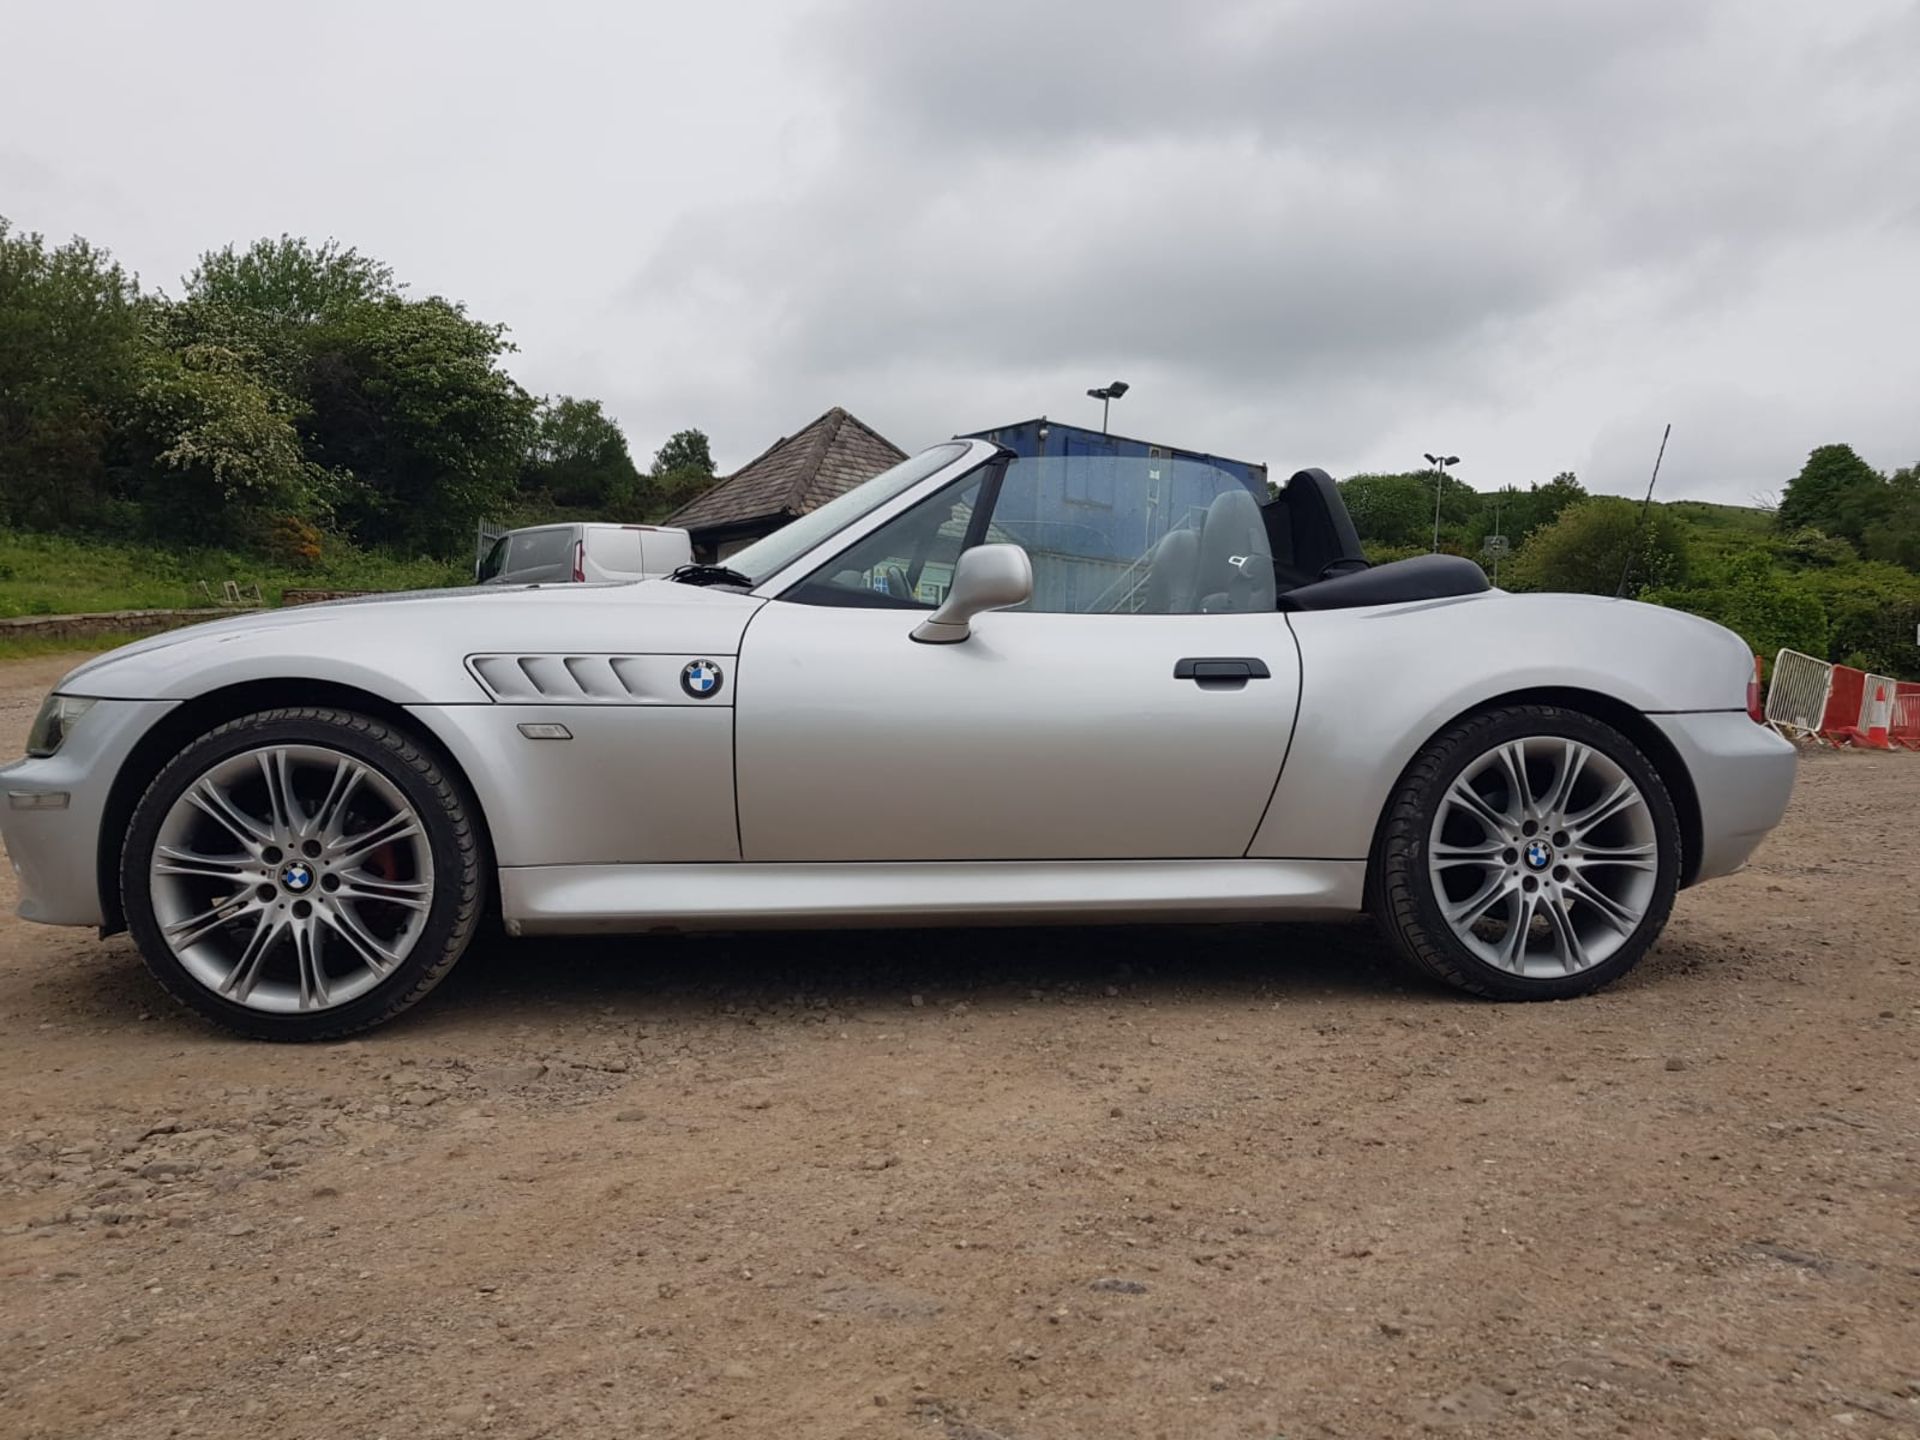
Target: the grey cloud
pixel 1339 232
pixel 1300 216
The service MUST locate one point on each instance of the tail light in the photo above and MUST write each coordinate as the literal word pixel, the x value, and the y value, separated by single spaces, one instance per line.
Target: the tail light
pixel 1756 696
pixel 579 560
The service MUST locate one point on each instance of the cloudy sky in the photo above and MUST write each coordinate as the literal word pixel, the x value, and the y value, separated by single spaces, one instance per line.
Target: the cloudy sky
pixel 1340 233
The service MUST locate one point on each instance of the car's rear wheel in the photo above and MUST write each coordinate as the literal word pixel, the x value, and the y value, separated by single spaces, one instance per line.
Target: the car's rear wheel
pixel 302 874
pixel 1530 853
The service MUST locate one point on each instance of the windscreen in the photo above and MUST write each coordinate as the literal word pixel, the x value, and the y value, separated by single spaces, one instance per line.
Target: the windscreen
pixel 784 546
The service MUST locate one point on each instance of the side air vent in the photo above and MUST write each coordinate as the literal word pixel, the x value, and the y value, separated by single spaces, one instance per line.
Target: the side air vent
pixel 583 679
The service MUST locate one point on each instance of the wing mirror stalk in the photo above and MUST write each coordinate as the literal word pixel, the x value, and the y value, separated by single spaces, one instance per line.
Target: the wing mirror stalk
pixel 987 577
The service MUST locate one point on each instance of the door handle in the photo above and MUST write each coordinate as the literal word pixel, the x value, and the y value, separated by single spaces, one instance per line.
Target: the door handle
pixel 1221 672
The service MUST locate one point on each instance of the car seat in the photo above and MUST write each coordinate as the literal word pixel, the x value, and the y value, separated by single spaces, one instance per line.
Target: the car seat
pixel 1236 562
pixel 1173 575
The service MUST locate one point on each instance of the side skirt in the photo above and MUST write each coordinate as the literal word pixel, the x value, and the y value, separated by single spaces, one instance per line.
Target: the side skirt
pixel 562 899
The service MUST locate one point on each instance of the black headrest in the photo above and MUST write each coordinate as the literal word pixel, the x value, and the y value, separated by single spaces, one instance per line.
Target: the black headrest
pixel 1320 519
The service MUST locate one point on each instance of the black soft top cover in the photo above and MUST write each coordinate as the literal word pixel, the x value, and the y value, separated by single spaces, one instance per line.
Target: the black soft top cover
pixel 1319 564
pixel 1420 577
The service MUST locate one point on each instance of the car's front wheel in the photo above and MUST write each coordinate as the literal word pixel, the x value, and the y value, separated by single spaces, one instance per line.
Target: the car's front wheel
pixel 302 874
pixel 1530 853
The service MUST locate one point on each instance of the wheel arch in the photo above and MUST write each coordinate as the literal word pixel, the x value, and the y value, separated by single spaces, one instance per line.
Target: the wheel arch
pixel 1607 709
pixel 193 718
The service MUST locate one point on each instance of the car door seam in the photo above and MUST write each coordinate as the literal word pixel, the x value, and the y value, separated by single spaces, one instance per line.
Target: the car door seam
pixel 733 731
pixel 1299 698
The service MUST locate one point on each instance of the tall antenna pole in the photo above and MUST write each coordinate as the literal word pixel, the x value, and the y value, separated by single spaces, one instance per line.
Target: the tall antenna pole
pixel 1633 543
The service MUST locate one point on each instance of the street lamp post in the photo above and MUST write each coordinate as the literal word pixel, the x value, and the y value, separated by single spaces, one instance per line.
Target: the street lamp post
pixel 1439 464
pixel 1106 395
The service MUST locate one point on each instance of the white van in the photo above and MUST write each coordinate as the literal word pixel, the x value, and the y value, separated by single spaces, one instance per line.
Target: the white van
pixel 556 554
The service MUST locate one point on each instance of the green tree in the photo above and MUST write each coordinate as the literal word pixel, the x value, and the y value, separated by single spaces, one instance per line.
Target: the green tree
pixel 579 457
pixel 685 451
pixel 291 280
pixel 219 447
pixel 1390 510
pixel 410 427
pixel 1586 548
pixel 409 407
pixel 682 468
pixel 1893 534
pixel 1810 547
pixel 1835 491
pixel 72 349
pixel 1873 608
pixel 1524 511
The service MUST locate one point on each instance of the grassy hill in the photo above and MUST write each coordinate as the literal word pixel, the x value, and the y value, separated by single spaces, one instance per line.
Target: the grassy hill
pixel 60 575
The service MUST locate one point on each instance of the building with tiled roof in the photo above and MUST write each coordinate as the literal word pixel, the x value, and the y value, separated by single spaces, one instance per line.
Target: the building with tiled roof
pixel 797 473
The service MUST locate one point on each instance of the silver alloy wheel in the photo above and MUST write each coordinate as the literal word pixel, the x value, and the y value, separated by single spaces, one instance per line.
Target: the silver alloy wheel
pixel 291 878
pixel 1543 856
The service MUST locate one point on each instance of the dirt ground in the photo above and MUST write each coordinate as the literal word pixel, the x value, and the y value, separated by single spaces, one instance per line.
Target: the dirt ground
pixel 1018 1184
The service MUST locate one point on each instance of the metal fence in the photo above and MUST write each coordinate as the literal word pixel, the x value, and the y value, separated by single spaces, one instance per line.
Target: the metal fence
pixel 1797 699
pixel 483 538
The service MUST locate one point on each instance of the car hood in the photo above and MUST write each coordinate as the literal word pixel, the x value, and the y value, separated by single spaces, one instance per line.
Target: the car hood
pixel 411 647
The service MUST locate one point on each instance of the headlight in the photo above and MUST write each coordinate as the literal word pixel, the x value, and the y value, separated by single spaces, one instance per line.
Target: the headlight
pixel 58 715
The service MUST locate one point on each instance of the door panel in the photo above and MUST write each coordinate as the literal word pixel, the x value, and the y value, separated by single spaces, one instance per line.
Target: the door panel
pixel 1044 736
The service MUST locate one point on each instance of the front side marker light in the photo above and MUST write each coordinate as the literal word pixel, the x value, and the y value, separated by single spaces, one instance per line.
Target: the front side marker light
pixel 58 715
pixel 38 799
pixel 540 730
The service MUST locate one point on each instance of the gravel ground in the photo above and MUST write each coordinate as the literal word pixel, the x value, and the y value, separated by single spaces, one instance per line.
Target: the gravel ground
pixel 1019 1184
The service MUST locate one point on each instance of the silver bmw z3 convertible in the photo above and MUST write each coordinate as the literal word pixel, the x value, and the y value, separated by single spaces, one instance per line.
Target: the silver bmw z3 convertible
pixel 978 688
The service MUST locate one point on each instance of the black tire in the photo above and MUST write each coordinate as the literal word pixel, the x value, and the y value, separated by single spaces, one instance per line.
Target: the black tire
pixel 459 888
pixel 1404 899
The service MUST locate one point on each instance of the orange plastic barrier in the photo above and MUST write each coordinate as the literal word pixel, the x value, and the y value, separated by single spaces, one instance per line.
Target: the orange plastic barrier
pixel 1905 729
pixel 1840 722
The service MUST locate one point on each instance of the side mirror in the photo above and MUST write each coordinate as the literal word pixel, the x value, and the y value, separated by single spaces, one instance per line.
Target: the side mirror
pixel 987 577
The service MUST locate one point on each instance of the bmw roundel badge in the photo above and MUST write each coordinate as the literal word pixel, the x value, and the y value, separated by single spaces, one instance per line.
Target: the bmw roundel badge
pixel 701 679
pixel 1539 855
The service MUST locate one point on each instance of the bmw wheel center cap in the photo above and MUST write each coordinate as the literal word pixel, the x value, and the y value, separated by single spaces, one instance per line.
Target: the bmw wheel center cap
pixel 1539 855
pixel 701 679
pixel 297 877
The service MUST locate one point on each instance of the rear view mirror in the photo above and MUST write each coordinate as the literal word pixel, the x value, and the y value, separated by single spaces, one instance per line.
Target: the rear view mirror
pixel 987 577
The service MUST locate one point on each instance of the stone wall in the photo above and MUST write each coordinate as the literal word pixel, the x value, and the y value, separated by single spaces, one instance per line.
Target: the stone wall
pixel 296 596
pixel 107 622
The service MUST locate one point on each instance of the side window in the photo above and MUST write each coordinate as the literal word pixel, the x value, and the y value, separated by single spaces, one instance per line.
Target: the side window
pixel 538 549
pixel 906 563
pixel 495 562
pixel 1135 534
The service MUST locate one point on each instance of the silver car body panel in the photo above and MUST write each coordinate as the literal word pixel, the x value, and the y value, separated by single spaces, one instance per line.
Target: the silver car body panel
pixel 568 677
pixel 1742 775
pixel 633 784
pixel 1049 766
pixel 561 899
pixel 1043 737
pixel 412 649
pixel 54 850
pixel 1383 680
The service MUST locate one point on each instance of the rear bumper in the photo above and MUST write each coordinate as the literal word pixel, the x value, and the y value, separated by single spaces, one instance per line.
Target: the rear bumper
pixel 1742 776
pixel 54 842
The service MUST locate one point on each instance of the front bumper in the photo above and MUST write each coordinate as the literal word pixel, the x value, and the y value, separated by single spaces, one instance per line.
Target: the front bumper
pixel 54 847
pixel 1742 776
